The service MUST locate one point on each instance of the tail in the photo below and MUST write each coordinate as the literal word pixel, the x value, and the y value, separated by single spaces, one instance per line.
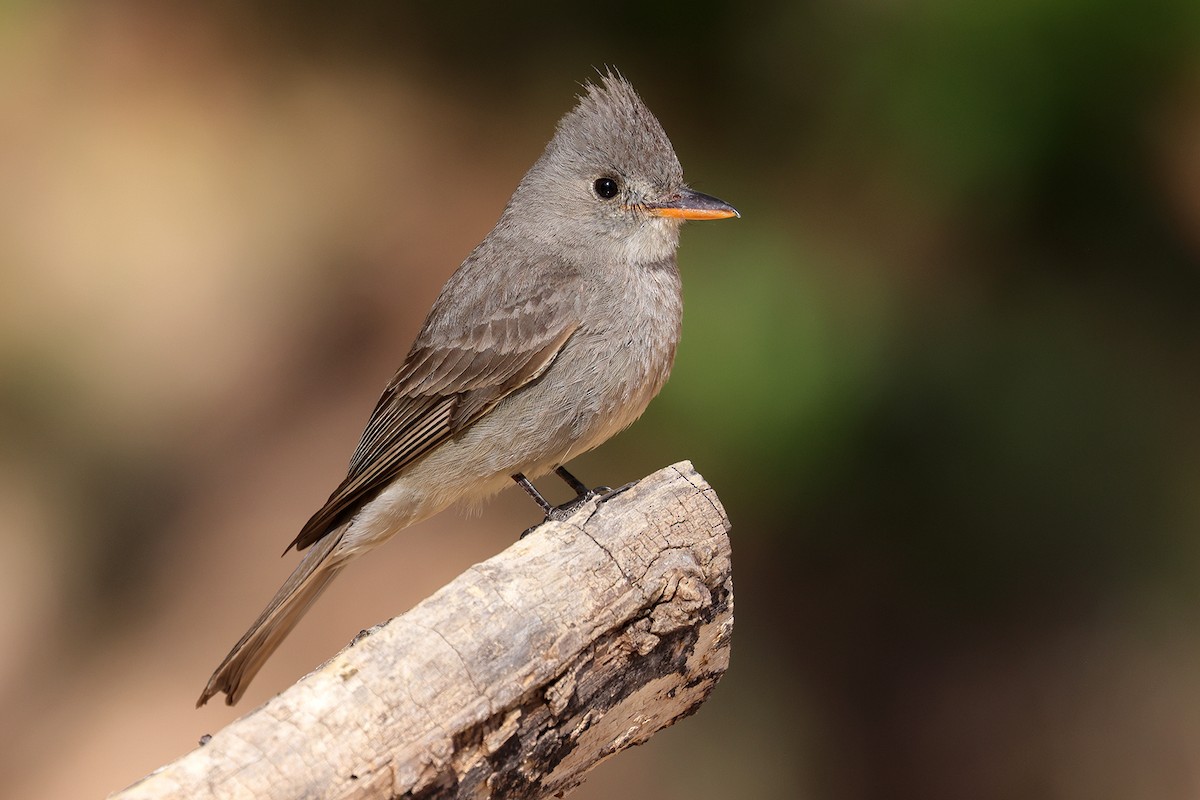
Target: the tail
pixel 289 604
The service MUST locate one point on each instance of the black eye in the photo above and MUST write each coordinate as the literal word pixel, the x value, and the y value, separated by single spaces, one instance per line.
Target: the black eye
pixel 606 188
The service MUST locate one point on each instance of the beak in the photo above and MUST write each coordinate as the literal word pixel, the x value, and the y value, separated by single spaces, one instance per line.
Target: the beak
pixel 688 204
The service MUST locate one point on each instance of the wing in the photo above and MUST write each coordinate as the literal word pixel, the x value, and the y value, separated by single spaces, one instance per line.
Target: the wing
pixel 450 379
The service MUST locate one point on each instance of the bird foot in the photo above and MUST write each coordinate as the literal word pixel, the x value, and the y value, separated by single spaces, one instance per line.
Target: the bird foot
pixel 563 512
pixel 605 493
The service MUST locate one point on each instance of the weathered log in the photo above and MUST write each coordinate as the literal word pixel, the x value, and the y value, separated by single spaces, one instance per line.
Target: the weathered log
pixel 585 637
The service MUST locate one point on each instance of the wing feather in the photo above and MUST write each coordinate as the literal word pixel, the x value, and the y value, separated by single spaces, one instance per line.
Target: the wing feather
pixel 444 386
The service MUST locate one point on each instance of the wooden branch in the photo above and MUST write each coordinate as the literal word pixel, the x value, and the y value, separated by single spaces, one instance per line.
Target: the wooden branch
pixel 582 639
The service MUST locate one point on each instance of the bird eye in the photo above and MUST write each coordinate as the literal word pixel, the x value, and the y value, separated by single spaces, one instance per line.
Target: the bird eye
pixel 606 188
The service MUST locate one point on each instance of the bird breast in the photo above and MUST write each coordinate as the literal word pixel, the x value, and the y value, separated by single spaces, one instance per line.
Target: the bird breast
pixel 623 352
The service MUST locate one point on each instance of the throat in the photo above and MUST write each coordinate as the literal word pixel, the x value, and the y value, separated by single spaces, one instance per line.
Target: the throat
pixel 655 240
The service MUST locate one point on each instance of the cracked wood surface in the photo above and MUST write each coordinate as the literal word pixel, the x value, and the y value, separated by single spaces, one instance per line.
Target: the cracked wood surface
pixel 582 639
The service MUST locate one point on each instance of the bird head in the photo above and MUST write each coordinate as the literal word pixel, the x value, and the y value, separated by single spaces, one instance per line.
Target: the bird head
pixel 609 183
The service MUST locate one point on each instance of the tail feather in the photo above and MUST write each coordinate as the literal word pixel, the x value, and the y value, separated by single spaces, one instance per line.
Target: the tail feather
pixel 311 576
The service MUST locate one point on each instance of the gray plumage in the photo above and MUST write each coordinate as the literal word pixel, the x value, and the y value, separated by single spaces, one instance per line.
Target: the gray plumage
pixel 552 336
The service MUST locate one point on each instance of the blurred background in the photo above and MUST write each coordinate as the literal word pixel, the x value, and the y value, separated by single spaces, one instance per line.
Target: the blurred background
pixel 943 373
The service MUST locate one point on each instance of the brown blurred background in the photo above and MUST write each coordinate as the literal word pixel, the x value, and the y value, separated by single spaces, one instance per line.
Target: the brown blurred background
pixel 943 373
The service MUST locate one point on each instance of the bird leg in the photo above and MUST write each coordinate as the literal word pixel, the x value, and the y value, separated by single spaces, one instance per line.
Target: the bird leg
pixel 579 487
pixel 560 512
pixel 583 493
pixel 532 491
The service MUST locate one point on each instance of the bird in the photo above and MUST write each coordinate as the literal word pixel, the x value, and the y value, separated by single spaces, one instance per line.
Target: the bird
pixel 552 336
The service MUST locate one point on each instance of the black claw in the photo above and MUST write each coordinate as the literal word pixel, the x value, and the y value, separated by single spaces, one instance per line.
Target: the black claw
pixel 609 493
